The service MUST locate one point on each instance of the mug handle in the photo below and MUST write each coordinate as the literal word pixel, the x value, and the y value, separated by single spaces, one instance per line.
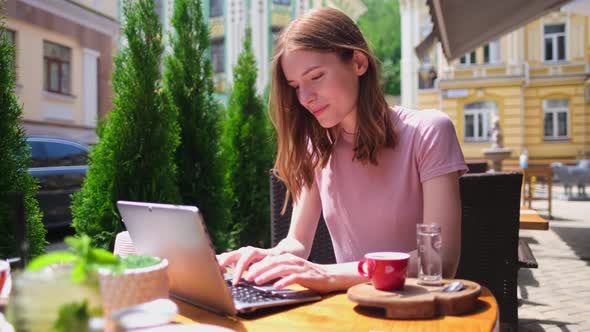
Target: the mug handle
pixel 370 267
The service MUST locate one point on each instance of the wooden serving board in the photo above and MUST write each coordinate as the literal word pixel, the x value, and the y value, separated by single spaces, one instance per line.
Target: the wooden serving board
pixel 417 301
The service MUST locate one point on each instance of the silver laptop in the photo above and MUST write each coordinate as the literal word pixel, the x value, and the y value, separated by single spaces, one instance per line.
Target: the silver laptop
pixel 177 233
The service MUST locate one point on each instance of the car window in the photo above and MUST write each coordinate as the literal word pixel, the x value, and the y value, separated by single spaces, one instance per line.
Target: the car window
pixel 38 156
pixel 59 154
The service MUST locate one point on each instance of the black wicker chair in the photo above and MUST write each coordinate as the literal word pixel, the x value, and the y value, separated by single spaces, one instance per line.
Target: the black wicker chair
pixel 322 251
pixel 477 166
pixel 489 235
pixel 16 205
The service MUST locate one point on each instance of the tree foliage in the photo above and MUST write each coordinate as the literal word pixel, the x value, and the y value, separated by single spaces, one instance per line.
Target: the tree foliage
pixel 134 158
pixel 247 151
pixel 188 79
pixel 15 160
pixel 384 16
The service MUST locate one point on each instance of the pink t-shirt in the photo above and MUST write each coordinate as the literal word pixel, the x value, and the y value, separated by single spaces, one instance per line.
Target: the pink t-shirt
pixel 371 208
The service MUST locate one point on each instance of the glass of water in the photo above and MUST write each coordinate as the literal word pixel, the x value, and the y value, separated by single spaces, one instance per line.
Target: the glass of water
pixel 429 254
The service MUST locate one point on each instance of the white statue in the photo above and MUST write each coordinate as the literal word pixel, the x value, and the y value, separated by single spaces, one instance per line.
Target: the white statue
pixel 497 137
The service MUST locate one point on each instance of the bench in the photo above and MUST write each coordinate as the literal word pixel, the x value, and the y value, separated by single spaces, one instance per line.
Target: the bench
pixel 531 189
pixel 530 219
pixel 526 259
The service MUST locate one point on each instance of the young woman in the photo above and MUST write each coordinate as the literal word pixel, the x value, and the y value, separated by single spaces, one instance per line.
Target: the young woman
pixel 374 171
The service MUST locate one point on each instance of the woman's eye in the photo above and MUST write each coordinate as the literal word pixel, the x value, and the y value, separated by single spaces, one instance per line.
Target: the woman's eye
pixel 317 77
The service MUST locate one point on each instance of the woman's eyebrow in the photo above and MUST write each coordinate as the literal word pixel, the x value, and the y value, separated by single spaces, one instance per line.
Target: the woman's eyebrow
pixel 305 72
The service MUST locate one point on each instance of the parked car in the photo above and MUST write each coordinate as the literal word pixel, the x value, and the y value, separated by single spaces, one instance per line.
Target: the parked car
pixel 60 166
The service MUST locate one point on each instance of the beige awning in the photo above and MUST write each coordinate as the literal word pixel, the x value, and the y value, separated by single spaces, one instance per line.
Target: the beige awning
pixel 463 25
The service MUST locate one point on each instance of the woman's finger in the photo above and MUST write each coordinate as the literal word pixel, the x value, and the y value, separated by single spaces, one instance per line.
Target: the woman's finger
pixel 278 271
pixel 269 262
pixel 261 266
pixel 292 279
pixel 222 269
pixel 228 258
pixel 247 256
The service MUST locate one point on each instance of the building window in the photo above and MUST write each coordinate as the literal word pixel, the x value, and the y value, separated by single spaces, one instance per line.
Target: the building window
pixel 275 33
pixel 554 47
pixel 57 68
pixel 218 55
pixel 10 35
pixel 555 120
pixel 468 59
pixel 282 2
pixel 477 121
pixel 215 8
pixel 491 52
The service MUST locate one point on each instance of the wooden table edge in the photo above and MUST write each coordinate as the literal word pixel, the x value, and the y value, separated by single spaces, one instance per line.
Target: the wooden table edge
pixel 240 324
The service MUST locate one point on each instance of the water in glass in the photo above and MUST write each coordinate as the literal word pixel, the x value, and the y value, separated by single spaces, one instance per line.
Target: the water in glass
pixel 429 254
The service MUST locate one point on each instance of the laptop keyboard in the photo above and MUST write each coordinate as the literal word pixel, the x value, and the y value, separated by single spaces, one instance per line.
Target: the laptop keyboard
pixel 245 293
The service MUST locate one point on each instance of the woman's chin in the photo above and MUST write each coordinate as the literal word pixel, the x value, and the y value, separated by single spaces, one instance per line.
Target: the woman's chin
pixel 326 124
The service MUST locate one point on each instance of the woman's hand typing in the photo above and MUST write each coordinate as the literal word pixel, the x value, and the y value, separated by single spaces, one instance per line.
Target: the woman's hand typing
pixel 242 259
pixel 290 269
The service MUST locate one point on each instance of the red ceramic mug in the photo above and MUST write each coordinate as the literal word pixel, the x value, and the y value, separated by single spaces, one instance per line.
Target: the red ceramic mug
pixel 387 270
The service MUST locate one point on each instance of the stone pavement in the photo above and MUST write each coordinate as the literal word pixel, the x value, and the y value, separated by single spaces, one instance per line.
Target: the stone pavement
pixel 556 296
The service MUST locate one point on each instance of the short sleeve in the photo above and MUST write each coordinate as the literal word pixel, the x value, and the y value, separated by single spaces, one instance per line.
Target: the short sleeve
pixel 438 152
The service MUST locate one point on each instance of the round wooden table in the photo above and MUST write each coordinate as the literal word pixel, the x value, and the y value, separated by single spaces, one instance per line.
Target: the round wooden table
pixel 337 313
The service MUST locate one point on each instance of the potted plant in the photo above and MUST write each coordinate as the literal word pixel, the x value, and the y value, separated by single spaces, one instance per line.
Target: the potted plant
pixel 60 291
pixel 143 279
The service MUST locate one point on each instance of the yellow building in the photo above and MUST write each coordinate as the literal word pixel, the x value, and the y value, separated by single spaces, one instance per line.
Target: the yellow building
pixel 534 79
pixel 228 19
pixel 64 59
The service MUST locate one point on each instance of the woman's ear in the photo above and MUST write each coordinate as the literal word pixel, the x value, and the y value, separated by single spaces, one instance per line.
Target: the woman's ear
pixel 360 63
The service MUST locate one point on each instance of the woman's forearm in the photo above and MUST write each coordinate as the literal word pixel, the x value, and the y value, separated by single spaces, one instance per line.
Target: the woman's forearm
pixel 442 205
pixel 339 276
pixel 290 245
pixel 343 276
pixel 413 264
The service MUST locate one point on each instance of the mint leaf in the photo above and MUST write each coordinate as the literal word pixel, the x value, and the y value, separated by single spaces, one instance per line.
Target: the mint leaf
pixel 79 272
pixel 74 243
pixel 72 317
pixel 102 256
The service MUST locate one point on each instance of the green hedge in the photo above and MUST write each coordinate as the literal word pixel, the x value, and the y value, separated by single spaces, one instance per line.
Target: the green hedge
pixel 247 149
pixel 15 160
pixel 134 158
pixel 188 79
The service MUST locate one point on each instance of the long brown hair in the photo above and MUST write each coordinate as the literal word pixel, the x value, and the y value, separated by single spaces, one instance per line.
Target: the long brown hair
pixel 303 144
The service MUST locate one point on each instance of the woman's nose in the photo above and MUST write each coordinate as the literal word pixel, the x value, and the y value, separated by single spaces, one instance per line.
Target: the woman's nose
pixel 306 96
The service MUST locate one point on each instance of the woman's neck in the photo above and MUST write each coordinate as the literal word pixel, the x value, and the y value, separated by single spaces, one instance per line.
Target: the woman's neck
pixel 348 137
pixel 348 127
pixel 347 132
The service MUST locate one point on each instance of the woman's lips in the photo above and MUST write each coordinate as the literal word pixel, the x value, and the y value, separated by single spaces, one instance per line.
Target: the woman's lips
pixel 319 111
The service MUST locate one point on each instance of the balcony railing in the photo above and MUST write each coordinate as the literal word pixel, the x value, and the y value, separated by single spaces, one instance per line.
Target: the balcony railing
pixel 511 70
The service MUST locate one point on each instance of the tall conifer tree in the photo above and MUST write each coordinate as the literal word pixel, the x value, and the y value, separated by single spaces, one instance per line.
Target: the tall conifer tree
pixel 188 79
pixel 15 159
pixel 134 158
pixel 247 150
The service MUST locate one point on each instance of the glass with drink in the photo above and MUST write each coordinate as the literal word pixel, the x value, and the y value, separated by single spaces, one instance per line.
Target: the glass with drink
pixel 429 243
